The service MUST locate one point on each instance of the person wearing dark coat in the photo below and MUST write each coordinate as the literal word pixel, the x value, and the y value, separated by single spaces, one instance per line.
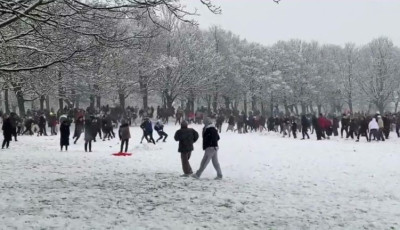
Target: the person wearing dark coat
pixel 42 126
pixel 124 135
pixel 294 128
pixel 305 125
pixel 335 126
pixel 186 137
pixel 88 134
pixel 317 128
pixel 64 130
pixel 14 120
pixel 353 126
pixel 363 130
pixel 28 126
pixel 386 126
pixel 345 125
pixel 220 121
pixel 159 127
pixel 78 129
pixel 210 146
pixel 147 128
pixel 7 132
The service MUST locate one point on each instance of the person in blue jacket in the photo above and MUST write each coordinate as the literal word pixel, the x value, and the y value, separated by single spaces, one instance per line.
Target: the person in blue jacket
pixel 159 127
pixel 147 128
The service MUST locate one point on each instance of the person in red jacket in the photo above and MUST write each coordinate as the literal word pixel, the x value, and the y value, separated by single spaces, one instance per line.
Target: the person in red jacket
pixel 322 123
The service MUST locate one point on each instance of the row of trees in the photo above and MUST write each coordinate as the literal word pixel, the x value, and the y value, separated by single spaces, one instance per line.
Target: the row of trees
pixel 91 54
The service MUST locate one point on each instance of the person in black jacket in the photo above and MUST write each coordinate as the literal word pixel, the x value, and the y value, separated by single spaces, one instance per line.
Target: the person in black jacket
pixel 345 125
pixel 186 137
pixel 64 138
pixel 78 129
pixel 14 121
pixel 7 131
pixel 210 145
pixel 88 134
pixel 305 125
pixel 363 129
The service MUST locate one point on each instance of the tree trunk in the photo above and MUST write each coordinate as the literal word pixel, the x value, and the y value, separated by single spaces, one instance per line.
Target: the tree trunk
pixel 169 101
pixel 227 102
pixel 296 109
pixel 144 91
pixel 263 109
pixel 77 101
pixel 396 106
pixel 122 100
pixel 319 108
pixel 350 103
pixel 303 108
pixel 245 103
pixel 286 108
pixel 215 103
pixel 48 102
pixel 42 100
pixel 381 107
pixel 91 103
pixel 312 108
pixel 98 101
pixel 61 93
pixel 208 103
pixel 6 101
pixel 21 103
pixel 254 103
pixel 60 103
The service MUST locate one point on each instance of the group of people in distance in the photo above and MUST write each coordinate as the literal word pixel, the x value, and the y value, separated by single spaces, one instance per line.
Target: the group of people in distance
pixel 92 125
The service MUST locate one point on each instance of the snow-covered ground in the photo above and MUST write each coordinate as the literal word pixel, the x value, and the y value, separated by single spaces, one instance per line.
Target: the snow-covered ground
pixel 269 182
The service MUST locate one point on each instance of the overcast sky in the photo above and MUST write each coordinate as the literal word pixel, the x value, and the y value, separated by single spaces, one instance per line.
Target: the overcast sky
pixel 326 21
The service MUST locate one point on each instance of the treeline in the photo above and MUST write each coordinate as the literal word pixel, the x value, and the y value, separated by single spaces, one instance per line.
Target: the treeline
pixel 84 55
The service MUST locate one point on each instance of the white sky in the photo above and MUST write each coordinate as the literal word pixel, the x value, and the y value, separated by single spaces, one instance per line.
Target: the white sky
pixel 326 21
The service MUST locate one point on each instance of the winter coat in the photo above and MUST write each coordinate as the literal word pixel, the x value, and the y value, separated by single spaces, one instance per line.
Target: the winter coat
pixel 124 133
pixel 186 138
pixel 353 125
pixel 323 123
pixel 78 127
pixel 294 126
pixel 42 121
pixel 64 130
pixel 380 123
pixel 210 137
pixel 158 127
pixel 7 129
pixel 373 124
pixel 335 122
pixel 345 122
pixel 89 131
pixel 363 126
pixel 305 122
pixel 147 126
pixel 231 120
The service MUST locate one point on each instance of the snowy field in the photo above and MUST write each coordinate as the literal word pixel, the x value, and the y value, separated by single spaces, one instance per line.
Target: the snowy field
pixel 269 182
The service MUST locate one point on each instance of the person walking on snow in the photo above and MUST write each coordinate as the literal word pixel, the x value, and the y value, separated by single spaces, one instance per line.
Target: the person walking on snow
pixel 7 131
pixel 64 138
pixel 124 135
pixel 210 146
pixel 88 134
pixel 159 127
pixel 78 128
pixel 186 137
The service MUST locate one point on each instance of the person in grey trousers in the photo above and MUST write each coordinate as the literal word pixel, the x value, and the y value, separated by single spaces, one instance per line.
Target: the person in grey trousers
pixel 210 146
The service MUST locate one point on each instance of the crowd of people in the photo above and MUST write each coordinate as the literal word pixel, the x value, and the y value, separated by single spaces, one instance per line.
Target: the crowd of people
pixel 100 125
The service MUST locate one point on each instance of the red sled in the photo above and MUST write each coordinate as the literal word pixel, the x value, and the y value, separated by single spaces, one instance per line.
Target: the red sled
pixel 122 154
